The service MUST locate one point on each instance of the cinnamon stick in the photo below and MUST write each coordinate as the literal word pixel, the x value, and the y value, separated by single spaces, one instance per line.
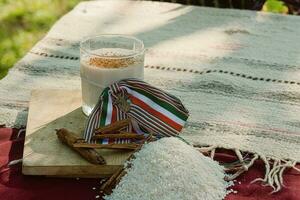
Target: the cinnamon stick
pixel 121 135
pixel 69 138
pixel 107 187
pixel 113 127
pixel 232 170
pixel 130 146
pixel 114 182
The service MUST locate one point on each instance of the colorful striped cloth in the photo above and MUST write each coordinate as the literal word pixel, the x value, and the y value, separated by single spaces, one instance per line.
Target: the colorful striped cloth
pixel 150 110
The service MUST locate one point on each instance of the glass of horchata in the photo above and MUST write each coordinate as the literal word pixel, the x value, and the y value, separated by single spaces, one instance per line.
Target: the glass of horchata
pixel 105 59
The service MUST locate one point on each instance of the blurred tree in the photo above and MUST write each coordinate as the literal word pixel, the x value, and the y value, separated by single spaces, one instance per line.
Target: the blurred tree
pixel 23 23
pixel 275 6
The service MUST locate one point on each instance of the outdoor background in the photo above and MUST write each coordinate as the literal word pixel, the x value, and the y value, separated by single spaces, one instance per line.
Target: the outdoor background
pixel 24 22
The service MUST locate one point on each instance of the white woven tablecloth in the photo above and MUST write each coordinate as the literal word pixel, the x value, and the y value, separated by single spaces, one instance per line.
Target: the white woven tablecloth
pixel 238 72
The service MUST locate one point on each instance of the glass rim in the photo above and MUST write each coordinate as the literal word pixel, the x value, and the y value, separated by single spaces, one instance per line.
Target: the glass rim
pixel 113 35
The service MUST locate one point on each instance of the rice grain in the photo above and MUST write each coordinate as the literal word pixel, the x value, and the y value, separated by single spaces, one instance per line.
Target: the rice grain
pixel 169 169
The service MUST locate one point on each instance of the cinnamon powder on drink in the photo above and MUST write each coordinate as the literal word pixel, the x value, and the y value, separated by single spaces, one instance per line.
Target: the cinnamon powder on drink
pixel 111 62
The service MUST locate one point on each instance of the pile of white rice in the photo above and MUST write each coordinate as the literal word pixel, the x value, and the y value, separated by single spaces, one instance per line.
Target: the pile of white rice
pixel 169 169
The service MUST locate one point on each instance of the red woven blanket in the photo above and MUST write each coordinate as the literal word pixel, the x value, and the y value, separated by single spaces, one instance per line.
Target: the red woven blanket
pixel 15 186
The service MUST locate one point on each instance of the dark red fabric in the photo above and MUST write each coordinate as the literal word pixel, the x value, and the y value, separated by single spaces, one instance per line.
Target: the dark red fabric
pixel 15 186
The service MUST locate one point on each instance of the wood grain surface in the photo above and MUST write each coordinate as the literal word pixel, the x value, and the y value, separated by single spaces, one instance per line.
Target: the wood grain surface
pixel 44 154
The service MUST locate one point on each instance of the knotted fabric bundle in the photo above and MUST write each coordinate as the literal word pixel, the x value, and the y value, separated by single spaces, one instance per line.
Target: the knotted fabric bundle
pixel 150 110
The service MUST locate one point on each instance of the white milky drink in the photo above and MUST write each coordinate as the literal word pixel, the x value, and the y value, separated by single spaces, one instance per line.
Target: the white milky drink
pixel 102 67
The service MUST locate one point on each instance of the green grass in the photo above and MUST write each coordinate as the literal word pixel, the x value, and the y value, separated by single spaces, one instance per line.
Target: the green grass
pixel 275 6
pixel 23 23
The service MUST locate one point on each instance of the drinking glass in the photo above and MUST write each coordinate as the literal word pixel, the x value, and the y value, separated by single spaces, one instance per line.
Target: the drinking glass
pixel 105 59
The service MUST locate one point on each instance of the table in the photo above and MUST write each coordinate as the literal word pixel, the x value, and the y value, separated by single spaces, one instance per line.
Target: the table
pixel 241 69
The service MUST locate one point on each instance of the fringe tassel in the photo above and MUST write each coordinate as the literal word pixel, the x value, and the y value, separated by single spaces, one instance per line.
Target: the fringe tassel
pixel 273 173
pixel 244 166
pixel 21 131
pixel 14 162
pixel 274 176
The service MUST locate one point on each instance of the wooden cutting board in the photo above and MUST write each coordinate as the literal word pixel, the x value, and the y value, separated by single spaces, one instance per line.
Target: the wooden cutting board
pixel 44 154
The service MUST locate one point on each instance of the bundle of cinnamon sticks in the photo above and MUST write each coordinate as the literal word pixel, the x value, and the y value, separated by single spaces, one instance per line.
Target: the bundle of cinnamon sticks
pixel 112 131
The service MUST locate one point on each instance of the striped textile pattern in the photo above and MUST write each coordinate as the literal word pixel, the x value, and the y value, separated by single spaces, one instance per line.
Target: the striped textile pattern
pixel 150 110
